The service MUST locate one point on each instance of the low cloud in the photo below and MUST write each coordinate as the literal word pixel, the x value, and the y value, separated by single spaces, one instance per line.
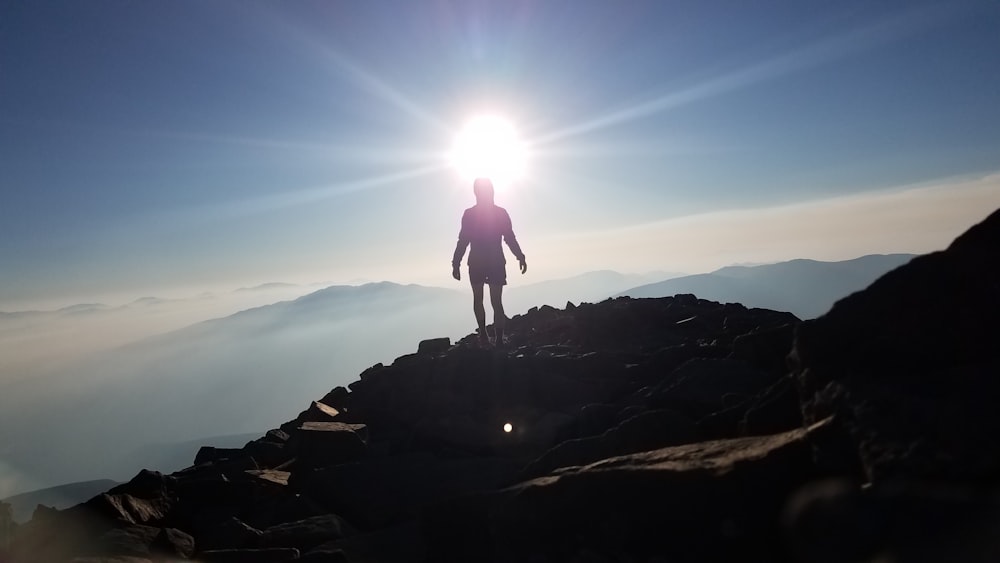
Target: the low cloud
pixel 913 219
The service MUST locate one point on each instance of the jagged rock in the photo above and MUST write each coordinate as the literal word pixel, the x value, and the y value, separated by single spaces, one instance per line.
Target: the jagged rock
pixel 130 540
pixel 337 397
pixel 267 453
pixel 278 509
pixel 379 492
pixel 319 444
pixel 719 501
pixel 307 533
pixel 909 364
pixel 229 467
pixel 269 555
pixel 318 411
pixel 270 475
pixel 146 499
pixel 211 454
pixel 173 543
pixel 397 544
pixel 231 533
pixel 434 346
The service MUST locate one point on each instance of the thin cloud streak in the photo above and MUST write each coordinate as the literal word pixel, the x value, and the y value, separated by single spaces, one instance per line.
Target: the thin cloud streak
pixel 373 84
pixel 273 202
pixel 825 51
pixel 352 152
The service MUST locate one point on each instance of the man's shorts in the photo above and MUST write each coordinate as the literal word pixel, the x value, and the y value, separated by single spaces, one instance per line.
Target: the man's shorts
pixel 492 274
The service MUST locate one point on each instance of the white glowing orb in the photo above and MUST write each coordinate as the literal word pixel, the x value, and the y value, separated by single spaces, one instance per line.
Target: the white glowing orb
pixel 488 147
pixel 507 427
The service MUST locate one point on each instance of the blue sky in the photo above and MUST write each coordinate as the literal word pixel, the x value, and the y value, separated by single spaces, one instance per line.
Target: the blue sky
pixel 173 147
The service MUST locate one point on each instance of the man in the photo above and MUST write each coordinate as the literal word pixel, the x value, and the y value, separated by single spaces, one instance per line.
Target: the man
pixel 483 227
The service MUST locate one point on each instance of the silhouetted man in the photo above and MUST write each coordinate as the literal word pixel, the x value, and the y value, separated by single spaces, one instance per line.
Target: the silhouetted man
pixel 483 227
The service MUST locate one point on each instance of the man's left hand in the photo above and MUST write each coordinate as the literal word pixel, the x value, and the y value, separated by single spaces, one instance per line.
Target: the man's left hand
pixel 524 265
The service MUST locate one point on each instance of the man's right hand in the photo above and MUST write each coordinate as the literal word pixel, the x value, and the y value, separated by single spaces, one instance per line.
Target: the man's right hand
pixel 455 273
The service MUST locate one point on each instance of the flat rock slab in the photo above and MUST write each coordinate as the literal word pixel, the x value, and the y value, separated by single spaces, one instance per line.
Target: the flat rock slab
pixel 270 475
pixel 716 500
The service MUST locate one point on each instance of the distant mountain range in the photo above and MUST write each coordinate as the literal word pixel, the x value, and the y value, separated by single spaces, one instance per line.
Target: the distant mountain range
pixel 806 288
pixel 245 372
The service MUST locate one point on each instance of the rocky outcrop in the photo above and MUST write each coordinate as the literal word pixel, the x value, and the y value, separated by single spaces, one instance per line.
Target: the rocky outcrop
pixel 910 364
pixel 629 430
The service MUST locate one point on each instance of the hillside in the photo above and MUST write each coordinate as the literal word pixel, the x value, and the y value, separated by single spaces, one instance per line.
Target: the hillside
pixel 806 288
pixel 668 429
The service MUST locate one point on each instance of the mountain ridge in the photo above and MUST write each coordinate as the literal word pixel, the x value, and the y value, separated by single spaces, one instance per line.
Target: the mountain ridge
pixel 805 287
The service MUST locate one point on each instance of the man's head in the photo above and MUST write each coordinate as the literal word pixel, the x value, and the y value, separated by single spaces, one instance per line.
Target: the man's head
pixel 483 188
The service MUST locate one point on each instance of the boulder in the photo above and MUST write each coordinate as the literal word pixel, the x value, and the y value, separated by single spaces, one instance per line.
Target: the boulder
pixel 718 501
pixel 909 364
pixel 396 544
pixel 146 499
pixel 319 444
pixel 380 492
pixel 210 454
pixel 433 346
pixel 173 543
pixel 231 533
pixel 130 540
pixel 307 533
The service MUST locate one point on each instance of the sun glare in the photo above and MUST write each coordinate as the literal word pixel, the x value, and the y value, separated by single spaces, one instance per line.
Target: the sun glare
pixel 488 146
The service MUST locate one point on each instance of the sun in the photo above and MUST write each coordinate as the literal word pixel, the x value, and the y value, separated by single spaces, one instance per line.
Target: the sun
pixel 488 146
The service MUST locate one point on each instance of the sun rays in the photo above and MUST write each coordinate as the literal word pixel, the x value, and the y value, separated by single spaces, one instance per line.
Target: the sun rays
pixel 490 145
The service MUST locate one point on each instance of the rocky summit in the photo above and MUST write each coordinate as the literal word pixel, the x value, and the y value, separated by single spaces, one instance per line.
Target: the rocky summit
pixel 631 430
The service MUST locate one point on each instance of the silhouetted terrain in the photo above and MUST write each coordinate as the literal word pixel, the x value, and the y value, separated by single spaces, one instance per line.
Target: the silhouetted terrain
pixel 590 287
pixel 63 496
pixel 806 288
pixel 669 429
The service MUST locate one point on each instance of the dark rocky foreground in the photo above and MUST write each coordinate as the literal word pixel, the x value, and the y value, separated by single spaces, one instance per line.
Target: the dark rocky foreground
pixel 659 430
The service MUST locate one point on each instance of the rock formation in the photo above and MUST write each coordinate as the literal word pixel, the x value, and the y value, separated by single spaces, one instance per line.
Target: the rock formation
pixel 629 430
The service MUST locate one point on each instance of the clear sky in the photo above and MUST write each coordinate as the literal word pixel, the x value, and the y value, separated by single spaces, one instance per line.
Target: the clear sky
pixel 171 147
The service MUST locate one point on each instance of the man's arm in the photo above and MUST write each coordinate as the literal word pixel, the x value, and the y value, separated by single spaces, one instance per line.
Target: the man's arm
pixel 511 240
pixel 463 243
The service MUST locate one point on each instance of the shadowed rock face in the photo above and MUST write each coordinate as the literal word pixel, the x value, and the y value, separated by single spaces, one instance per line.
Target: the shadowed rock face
pixel 910 365
pixel 628 430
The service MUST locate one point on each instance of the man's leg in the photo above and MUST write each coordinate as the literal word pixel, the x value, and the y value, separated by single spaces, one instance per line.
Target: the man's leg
pixel 479 310
pixel 499 318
